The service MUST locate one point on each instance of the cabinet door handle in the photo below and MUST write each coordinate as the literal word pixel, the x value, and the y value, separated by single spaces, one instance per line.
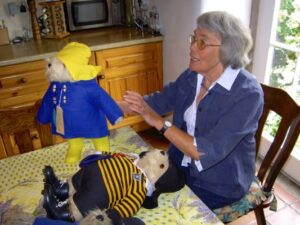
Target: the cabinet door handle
pixel 23 80
pixel 101 77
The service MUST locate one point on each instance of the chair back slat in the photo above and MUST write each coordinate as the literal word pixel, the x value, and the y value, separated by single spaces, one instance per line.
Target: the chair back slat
pixel 23 140
pixel 284 154
pixel 259 131
pixel 279 102
pixel 45 134
pixel 274 149
pixel 17 126
pixel 16 120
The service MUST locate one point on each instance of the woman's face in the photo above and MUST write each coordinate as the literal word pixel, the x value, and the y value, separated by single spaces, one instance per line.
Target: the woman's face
pixel 205 52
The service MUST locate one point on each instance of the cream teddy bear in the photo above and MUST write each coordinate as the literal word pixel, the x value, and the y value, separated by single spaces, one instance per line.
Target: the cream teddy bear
pixel 113 184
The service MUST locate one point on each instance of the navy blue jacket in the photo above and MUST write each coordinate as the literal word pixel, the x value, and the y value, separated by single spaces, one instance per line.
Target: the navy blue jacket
pixel 225 131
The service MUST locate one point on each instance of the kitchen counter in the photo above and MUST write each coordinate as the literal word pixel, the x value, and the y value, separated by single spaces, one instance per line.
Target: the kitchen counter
pixel 100 39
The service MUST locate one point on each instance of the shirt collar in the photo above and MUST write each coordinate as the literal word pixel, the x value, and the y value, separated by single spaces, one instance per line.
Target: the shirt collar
pixel 227 78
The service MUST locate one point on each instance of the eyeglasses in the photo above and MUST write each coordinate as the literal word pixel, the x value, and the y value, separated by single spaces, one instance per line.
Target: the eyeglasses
pixel 200 42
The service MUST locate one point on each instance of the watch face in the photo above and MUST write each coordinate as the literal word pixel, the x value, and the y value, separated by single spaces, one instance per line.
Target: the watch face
pixel 168 123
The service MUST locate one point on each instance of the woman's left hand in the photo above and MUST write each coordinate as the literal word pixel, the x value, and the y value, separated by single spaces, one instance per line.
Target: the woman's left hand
pixel 138 105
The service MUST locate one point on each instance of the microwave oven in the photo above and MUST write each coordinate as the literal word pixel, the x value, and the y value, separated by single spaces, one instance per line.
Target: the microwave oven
pixel 86 14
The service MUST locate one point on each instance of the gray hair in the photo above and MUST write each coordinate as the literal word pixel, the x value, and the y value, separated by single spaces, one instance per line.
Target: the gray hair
pixel 235 37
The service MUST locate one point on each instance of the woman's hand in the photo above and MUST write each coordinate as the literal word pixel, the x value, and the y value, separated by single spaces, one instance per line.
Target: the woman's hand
pixel 125 107
pixel 136 103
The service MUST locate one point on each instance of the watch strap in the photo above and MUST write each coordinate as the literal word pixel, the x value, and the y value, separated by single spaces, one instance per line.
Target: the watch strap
pixel 167 124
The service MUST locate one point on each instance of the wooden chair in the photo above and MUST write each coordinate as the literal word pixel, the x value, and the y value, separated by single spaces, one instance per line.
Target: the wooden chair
pixel 281 103
pixel 261 193
pixel 17 128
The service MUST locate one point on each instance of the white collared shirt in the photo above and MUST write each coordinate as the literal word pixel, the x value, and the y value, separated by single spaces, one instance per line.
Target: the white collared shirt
pixel 226 80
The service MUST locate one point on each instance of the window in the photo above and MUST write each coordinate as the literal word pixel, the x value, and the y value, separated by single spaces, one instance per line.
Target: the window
pixel 276 59
pixel 283 65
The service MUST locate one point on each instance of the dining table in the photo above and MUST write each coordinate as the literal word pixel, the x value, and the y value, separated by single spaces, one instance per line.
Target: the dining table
pixel 21 182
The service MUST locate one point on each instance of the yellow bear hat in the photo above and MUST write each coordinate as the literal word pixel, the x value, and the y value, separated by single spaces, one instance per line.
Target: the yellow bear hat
pixel 76 57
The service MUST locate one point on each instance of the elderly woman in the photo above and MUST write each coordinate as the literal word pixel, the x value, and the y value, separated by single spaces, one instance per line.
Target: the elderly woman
pixel 216 105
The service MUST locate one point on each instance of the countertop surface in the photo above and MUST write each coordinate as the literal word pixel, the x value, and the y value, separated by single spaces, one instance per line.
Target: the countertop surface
pixel 100 39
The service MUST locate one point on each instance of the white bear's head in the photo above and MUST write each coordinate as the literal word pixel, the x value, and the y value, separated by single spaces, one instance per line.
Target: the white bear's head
pixel 154 163
pixel 57 71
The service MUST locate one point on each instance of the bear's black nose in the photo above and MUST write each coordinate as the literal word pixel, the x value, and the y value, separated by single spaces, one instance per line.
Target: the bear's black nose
pixel 49 64
pixel 100 218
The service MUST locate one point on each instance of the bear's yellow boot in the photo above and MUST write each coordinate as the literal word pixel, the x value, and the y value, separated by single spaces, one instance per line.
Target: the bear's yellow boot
pixel 75 150
pixel 101 144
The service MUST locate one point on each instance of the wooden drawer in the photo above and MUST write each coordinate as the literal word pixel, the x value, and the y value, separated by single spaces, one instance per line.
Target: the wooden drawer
pixel 22 74
pixel 21 100
pixel 22 79
pixel 128 60
pixel 22 84
pixel 23 90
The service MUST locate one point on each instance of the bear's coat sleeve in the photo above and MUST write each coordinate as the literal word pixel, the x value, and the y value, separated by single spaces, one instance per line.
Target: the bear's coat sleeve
pixel 127 207
pixel 106 103
pixel 45 113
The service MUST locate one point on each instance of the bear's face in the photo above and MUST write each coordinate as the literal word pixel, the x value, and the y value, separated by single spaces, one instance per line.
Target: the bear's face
pixel 154 163
pixel 96 217
pixel 56 71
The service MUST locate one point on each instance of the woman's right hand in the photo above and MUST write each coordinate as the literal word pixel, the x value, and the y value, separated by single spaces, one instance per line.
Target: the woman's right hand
pixel 136 103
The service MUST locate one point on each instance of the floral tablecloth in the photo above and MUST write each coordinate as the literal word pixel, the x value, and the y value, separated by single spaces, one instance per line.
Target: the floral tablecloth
pixel 21 182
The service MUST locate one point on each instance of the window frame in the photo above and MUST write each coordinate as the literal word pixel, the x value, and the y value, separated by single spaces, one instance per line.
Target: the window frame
pixel 263 41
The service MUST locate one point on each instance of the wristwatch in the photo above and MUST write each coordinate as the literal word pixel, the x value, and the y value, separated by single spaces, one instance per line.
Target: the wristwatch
pixel 167 124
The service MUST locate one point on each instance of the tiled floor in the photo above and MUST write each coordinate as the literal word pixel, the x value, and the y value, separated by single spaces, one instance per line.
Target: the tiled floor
pixel 288 193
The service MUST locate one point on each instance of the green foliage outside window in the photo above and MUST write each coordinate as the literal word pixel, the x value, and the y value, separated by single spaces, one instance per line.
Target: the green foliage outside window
pixel 288 32
pixel 283 73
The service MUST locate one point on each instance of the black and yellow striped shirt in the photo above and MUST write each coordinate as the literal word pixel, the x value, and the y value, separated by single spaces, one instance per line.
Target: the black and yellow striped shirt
pixel 125 184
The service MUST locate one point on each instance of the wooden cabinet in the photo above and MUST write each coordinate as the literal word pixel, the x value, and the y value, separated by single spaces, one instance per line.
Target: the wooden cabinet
pixel 136 68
